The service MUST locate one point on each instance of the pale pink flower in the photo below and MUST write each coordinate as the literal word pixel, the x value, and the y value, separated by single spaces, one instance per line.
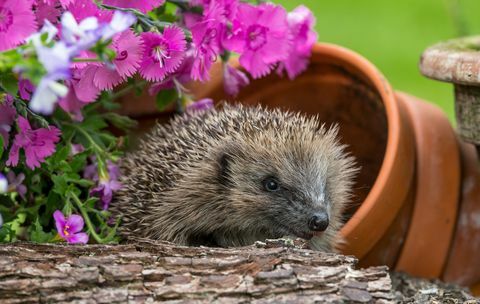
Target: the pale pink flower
pixel 17 22
pixel 233 79
pixel 38 144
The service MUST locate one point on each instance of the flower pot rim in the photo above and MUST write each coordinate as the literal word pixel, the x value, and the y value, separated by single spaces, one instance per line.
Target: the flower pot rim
pixel 376 209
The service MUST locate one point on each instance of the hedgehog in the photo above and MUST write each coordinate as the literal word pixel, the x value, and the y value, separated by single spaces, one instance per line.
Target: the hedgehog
pixel 233 176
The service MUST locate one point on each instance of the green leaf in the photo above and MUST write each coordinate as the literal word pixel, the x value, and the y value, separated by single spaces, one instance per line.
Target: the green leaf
pixel 38 235
pixel 6 233
pixel 60 184
pixel 9 82
pixel 120 121
pixel 79 161
pixel 166 97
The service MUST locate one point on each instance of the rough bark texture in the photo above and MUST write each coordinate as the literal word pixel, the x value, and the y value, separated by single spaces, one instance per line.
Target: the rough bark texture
pixel 275 272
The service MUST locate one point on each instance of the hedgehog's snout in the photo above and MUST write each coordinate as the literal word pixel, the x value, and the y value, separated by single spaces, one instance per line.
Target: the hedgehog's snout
pixel 318 222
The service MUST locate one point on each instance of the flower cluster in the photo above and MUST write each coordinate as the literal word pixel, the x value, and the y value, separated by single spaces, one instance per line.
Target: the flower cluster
pixel 63 63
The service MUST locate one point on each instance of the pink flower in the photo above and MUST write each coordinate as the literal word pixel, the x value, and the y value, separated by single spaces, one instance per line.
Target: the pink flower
pixel 260 35
pixel 233 80
pixel 206 43
pixel 45 11
pixel 64 3
pixel 38 144
pixel 82 9
pixel 142 5
pixel 69 228
pixel 163 53
pixel 301 23
pixel 17 22
pixel 25 88
pixel 7 117
pixel 181 75
pixel 129 50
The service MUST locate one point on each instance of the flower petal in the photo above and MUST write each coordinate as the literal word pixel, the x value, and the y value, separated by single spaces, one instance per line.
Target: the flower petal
pixel 75 222
pixel 78 238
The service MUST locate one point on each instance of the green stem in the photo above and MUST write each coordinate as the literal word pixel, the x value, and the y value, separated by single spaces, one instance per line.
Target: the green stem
pixel 90 226
pixel 97 59
pixel 128 88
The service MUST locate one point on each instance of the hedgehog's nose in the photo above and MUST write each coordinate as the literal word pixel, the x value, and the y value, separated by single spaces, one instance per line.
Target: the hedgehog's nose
pixel 318 222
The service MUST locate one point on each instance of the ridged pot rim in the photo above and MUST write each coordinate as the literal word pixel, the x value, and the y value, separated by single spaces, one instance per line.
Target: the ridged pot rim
pixel 376 213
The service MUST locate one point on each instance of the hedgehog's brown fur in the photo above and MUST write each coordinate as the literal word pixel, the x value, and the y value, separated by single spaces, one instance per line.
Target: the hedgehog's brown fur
pixel 198 179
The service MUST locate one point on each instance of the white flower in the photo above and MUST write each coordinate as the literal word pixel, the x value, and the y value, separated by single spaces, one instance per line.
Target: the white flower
pixel 46 95
pixel 119 23
pixel 3 183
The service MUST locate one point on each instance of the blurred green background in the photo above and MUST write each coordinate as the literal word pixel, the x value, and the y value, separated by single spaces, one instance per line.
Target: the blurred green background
pixel 393 33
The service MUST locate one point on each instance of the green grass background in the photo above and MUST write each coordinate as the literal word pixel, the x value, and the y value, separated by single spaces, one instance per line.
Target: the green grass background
pixel 393 33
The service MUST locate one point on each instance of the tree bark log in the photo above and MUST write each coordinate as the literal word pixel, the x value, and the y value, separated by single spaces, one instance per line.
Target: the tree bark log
pixel 272 272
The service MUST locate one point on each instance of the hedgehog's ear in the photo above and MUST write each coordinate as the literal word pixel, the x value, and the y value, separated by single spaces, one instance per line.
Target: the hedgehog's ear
pixel 224 173
pixel 224 164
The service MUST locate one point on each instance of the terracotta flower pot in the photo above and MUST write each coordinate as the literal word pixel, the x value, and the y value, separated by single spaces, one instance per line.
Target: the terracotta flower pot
pixel 404 212
pixel 437 185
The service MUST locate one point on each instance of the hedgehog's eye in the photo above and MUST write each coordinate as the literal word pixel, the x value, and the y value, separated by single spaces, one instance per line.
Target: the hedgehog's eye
pixel 271 184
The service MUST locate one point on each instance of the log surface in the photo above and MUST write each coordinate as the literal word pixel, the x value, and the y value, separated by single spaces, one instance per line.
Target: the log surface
pixel 146 272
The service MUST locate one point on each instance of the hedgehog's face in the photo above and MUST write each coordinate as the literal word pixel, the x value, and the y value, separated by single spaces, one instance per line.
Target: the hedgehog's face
pixel 285 189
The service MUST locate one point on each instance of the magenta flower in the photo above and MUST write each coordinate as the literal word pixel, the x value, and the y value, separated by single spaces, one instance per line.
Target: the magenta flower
pixel 163 53
pixel 69 228
pixel 260 35
pixel 17 22
pixel 70 103
pixel 233 79
pixel 15 183
pixel 45 11
pixel 200 105
pixel 206 43
pixel 143 5
pixel 25 88
pixel 38 144
pixel 129 50
pixel 82 9
pixel 7 117
pixel 301 24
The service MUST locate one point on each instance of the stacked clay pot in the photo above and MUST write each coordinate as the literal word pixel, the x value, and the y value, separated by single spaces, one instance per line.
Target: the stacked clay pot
pixel 418 191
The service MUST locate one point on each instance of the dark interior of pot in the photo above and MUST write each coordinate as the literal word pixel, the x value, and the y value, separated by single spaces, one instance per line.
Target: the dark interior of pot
pixel 337 95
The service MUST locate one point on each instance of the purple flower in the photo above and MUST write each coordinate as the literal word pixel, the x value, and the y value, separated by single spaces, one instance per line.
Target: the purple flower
pixel 143 5
pixel 7 117
pixel 38 144
pixel 163 53
pixel 16 183
pixel 260 35
pixel 301 23
pixel 76 149
pixel 200 105
pixel 106 186
pixel 69 228
pixel 17 22
pixel 83 34
pixel 3 183
pixel 105 190
pixel 233 79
